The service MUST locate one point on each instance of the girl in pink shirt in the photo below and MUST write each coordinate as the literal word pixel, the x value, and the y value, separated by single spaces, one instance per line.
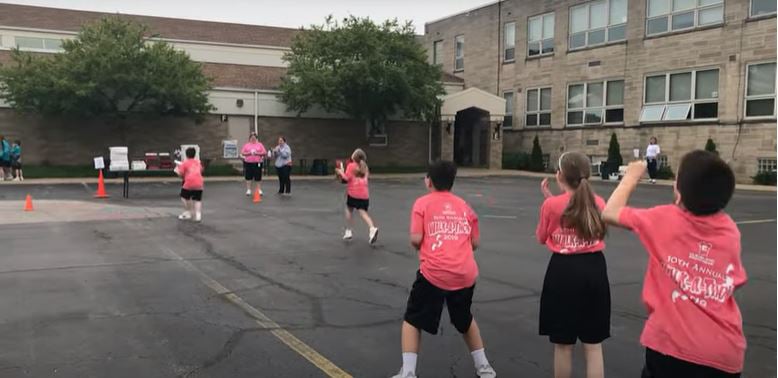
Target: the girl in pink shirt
pixel 192 189
pixel 575 303
pixel 252 153
pixel 357 194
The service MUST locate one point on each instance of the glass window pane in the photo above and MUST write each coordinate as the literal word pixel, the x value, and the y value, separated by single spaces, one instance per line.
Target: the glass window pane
pixel 655 89
pixel 614 115
pixel 510 34
pixel 532 119
pixel 52 44
pixel 548 46
pixel 681 86
pixel 460 46
pixel 658 7
pixel 761 79
pixel 533 48
pixel 508 102
pixel 510 54
pixel 711 16
pixel 545 119
pixel 652 113
pixel 593 116
pixel 618 13
pixel 683 20
pixel 578 40
pixel 436 50
pixel 29 43
pixel 762 7
pixel 532 100
pixel 615 92
pixel 459 64
pixel 757 108
pixel 677 112
pixel 598 15
pixel 548 26
pixel 594 95
pixel 684 4
pixel 707 84
pixel 596 37
pixel 535 29
pixel 710 2
pixel 579 19
pixel 507 121
pixel 574 118
pixel 657 25
pixel 575 94
pixel 710 110
pixel 545 99
pixel 616 33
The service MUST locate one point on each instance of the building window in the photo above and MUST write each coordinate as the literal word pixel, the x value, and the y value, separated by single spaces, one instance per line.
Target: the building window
pixel 38 44
pixel 766 165
pixel 597 22
pixel 595 103
pixel 760 90
pixel 538 107
pixel 508 121
pixel 661 161
pixel 762 7
pixel 509 54
pixel 437 48
pixel 459 54
pixel 671 15
pixel 546 160
pixel 681 95
pixel 540 35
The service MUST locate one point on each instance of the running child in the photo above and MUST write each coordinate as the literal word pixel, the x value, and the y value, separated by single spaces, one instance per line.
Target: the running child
pixel 444 229
pixel 694 327
pixel 357 194
pixel 16 161
pixel 575 303
pixel 191 170
pixel 252 153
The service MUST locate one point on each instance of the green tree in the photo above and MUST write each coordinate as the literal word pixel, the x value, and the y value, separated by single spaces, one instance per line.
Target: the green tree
pixel 365 70
pixel 110 69
pixel 710 146
pixel 536 158
pixel 614 155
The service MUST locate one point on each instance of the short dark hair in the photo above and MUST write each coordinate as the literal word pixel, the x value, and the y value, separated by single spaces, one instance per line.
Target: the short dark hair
pixel 706 183
pixel 18 142
pixel 190 153
pixel 442 174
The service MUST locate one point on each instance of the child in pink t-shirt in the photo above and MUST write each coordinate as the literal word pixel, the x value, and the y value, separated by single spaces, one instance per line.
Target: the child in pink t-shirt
pixel 694 326
pixel 192 189
pixel 445 231
pixel 357 195
pixel 575 303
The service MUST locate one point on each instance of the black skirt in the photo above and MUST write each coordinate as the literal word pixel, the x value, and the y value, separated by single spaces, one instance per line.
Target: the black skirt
pixel 576 300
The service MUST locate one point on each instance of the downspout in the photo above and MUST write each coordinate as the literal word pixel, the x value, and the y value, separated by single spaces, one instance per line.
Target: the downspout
pixel 256 111
pixel 499 41
pixel 429 142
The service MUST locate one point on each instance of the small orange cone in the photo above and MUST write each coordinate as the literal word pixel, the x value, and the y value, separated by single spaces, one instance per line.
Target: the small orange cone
pixel 100 186
pixel 257 197
pixel 28 203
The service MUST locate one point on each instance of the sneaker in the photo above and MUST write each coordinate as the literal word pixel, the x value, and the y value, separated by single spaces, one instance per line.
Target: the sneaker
pixel 485 371
pixel 248 193
pixel 407 375
pixel 185 215
pixel 653 181
pixel 198 217
pixel 261 193
pixel 347 235
pixel 373 235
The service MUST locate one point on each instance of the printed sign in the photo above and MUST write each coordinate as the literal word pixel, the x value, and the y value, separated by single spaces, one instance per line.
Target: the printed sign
pixel 230 149
pixel 99 163
pixel 636 152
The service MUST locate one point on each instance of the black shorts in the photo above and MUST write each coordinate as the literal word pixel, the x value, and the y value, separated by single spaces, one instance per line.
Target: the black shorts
pixel 5 163
pixel 660 365
pixel 252 171
pixel 357 203
pixel 425 305
pixel 576 300
pixel 195 195
pixel 16 164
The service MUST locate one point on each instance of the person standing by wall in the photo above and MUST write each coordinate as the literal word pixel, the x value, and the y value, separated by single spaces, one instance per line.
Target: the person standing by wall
pixel 283 164
pixel 16 160
pixel 5 159
pixel 652 154
pixel 252 153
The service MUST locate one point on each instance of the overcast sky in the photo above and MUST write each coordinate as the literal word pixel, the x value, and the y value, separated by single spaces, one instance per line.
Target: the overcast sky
pixel 288 13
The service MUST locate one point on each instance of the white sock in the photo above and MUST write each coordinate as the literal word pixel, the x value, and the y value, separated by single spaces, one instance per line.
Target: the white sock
pixel 479 357
pixel 409 363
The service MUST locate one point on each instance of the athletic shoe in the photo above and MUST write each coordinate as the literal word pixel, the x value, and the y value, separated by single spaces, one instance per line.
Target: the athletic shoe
pixel 185 215
pixel 17 179
pixel 373 235
pixel 407 375
pixel 248 193
pixel 653 181
pixel 347 235
pixel 485 371
pixel 261 193
pixel 198 217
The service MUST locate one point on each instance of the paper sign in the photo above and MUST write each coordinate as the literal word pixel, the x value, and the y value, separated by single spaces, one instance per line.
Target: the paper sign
pixel 636 152
pixel 99 163
pixel 230 149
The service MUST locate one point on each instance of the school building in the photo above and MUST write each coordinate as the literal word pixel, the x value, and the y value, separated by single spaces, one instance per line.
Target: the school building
pixel 572 72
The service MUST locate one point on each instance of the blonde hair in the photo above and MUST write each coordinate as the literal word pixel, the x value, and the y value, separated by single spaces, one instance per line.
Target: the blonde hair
pixel 581 213
pixel 360 158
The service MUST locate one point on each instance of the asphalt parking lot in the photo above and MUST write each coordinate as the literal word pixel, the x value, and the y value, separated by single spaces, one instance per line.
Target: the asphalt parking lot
pixel 121 288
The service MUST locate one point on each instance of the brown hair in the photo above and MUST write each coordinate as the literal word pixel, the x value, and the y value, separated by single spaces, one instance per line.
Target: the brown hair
pixel 360 158
pixel 581 213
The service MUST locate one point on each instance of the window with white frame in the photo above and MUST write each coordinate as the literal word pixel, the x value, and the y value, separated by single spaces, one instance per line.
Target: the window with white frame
pixel 766 165
pixel 661 161
pixel 680 96
pixel 459 53
pixel 508 120
pixel 437 48
pixel 540 35
pixel 669 15
pixel 597 22
pixel 38 44
pixel 538 107
pixel 509 42
pixel 762 7
pixel 760 90
pixel 595 103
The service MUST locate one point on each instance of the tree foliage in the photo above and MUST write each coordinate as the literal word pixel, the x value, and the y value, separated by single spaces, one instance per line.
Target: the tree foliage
pixel 710 146
pixel 363 69
pixel 536 158
pixel 111 69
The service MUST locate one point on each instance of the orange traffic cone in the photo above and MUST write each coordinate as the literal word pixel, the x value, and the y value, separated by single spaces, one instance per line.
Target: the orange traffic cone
pixel 28 203
pixel 257 197
pixel 100 186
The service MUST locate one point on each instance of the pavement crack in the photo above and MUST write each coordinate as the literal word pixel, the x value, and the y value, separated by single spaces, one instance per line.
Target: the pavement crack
pixel 225 351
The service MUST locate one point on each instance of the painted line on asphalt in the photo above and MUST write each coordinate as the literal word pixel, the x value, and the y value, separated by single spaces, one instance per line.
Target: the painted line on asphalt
pixel 756 221
pixel 500 216
pixel 297 345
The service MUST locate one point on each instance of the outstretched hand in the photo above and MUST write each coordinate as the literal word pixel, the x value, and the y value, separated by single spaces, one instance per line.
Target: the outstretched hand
pixel 544 188
pixel 636 170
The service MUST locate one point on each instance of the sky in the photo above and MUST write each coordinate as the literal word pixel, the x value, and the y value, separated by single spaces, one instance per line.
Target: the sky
pixel 287 13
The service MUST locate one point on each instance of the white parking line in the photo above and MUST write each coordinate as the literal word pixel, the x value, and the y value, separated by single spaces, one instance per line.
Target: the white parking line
pixel 756 221
pixel 500 216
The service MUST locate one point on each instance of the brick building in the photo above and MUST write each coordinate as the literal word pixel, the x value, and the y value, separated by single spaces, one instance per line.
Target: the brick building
pixel 573 72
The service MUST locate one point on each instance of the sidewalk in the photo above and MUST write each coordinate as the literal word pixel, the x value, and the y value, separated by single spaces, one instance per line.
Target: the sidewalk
pixel 464 172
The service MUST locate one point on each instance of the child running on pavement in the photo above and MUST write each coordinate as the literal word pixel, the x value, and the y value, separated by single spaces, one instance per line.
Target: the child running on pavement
pixel 694 327
pixel 192 189
pixel 444 229
pixel 357 195
pixel 575 303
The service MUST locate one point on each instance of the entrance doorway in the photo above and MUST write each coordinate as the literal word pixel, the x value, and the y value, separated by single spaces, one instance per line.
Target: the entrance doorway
pixel 471 138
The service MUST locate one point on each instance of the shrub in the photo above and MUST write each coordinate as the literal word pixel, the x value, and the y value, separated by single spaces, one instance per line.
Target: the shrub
pixel 765 178
pixel 614 155
pixel 710 146
pixel 665 173
pixel 518 161
pixel 536 159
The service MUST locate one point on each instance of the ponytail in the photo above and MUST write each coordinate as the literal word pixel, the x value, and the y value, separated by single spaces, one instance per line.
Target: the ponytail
pixel 362 169
pixel 360 158
pixel 582 213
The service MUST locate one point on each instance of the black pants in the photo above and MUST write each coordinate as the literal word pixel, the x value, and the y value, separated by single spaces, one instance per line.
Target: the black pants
pixel 652 168
pixel 659 365
pixel 284 180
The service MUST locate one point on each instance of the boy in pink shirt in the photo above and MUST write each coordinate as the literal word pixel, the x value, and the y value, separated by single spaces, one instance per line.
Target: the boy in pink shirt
pixel 445 231
pixel 192 189
pixel 694 326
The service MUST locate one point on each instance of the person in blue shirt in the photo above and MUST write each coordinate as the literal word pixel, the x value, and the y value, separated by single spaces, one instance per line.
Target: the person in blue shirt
pixel 16 160
pixel 5 159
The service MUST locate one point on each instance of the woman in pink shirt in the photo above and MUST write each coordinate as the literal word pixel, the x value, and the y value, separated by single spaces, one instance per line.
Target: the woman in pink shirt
pixel 576 302
pixel 252 153
pixel 357 194
pixel 192 189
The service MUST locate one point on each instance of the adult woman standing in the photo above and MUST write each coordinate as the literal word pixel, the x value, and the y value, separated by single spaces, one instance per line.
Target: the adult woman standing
pixel 652 154
pixel 283 164
pixel 252 154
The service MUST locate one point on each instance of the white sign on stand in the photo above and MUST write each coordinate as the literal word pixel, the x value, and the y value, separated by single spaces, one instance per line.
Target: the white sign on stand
pixel 99 163
pixel 636 152
pixel 230 148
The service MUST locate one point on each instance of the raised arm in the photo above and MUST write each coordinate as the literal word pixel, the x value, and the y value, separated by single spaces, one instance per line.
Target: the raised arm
pixel 620 196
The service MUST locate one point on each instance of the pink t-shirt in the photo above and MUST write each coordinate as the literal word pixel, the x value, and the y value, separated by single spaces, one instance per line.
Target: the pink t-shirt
pixel 356 187
pixel 258 149
pixel 560 239
pixel 693 268
pixel 448 226
pixel 192 172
